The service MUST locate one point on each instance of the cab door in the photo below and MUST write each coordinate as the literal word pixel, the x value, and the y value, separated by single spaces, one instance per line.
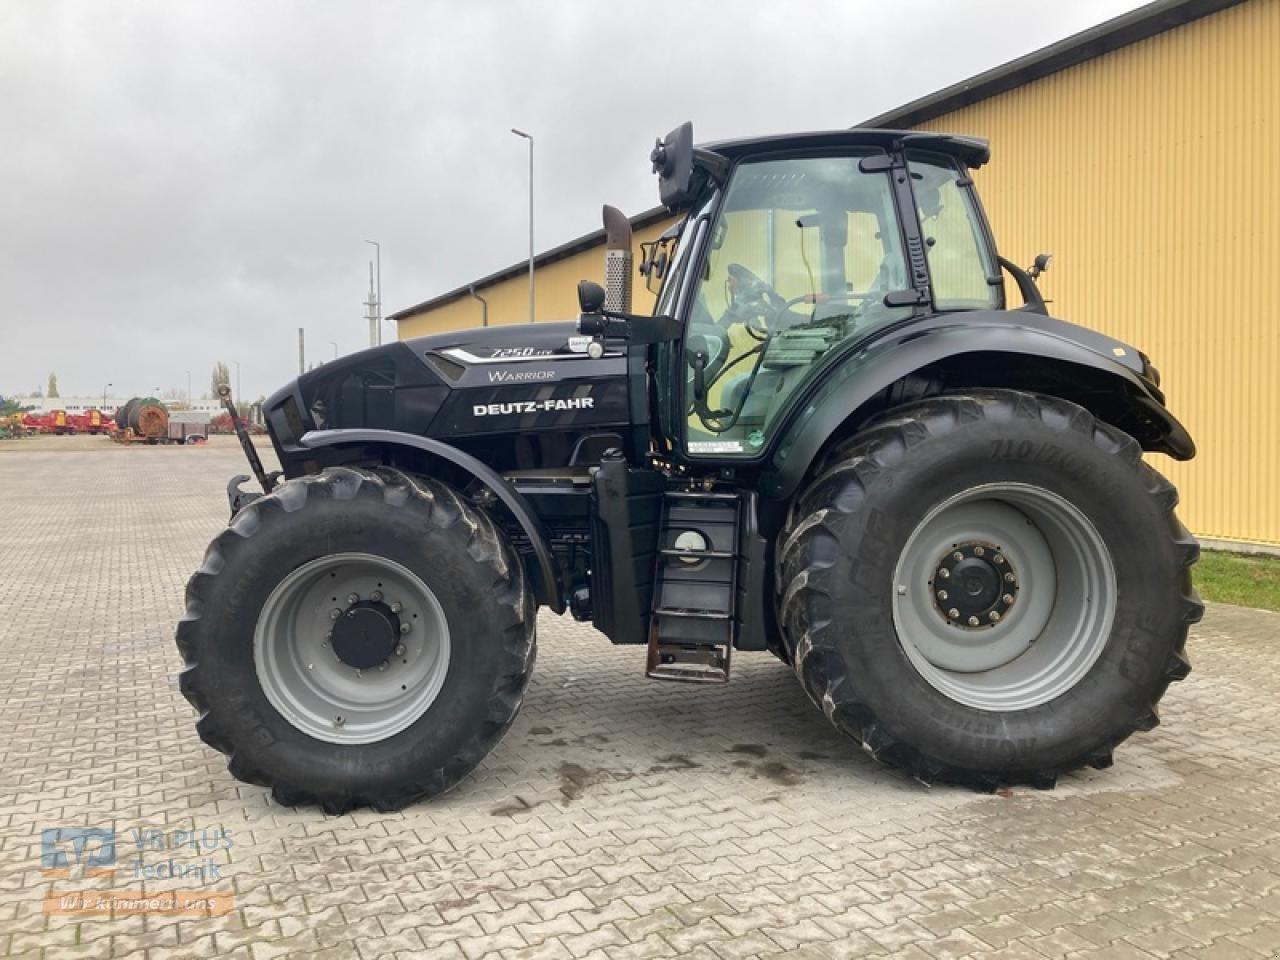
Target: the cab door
pixel 804 255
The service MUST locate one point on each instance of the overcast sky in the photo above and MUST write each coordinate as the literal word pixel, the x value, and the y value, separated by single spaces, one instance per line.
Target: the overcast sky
pixel 182 183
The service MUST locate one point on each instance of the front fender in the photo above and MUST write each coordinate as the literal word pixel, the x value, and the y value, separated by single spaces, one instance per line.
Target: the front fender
pixel 981 350
pixel 547 587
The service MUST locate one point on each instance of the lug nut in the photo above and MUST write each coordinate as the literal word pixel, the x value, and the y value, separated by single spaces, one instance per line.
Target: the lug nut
pixel 998 559
pixel 957 556
pixel 1009 577
pixel 335 613
pixel 1007 598
pixel 942 594
pixel 979 552
pixel 973 621
pixel 944 573
pixel 993 616
pixel 400 648
pixel 375 596
pixel 396 606
pixel 404 627
pixel 353 598
pixel 953 613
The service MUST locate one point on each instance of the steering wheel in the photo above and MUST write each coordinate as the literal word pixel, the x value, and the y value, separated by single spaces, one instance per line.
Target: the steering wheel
pixel 753 301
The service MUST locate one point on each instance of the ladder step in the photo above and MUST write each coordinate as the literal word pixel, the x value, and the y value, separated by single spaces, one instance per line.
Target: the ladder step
pixel 692 495
pixel 692 614
pixel 698 554
pixel 691 664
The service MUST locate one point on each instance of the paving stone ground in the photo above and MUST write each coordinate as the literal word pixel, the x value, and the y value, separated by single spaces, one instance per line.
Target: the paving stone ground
pixel 619 818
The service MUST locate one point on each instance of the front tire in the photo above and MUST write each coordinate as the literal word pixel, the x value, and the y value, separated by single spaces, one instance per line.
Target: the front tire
pixel 357 638
pixel 988 589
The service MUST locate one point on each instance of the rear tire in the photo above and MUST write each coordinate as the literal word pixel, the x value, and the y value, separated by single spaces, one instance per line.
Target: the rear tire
pixel 1061 662
pixel 300 712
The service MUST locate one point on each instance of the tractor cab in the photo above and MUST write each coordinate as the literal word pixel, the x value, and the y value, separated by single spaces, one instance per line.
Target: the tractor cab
pixel 795 252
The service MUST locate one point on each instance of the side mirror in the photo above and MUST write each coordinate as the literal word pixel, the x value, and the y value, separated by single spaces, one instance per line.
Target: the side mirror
pixel 590 296
pixel 1040 265
pixel 672 159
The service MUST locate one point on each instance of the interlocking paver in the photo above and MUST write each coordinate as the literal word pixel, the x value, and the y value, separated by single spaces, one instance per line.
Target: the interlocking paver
pixel 619 819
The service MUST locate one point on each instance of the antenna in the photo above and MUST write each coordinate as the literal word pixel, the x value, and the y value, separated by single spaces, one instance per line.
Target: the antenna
pixel 372 309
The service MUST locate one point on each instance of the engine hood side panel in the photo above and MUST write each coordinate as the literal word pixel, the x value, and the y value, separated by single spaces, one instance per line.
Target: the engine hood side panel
pixel 511 384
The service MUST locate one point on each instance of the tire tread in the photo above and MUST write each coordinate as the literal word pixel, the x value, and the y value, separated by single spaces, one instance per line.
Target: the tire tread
pixel 486 545
pixel 838 487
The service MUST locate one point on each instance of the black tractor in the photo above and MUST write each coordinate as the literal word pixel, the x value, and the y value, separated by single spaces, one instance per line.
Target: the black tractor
pixel 834 439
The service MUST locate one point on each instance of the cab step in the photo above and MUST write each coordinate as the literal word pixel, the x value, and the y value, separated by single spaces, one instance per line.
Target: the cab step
pixel 689 663
pixel 692 626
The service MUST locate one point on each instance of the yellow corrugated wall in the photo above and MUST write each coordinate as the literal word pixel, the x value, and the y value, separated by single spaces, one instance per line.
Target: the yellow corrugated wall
pixel 1152 174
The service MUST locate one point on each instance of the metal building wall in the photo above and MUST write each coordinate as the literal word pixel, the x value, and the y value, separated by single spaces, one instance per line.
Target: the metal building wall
pixel 1152 174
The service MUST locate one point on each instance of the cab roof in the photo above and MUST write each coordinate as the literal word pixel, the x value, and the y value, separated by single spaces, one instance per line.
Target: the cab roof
pixel 972 151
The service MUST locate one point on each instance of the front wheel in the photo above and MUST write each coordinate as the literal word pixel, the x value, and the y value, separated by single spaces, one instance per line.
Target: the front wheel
pixel 988 589
pixel 357 638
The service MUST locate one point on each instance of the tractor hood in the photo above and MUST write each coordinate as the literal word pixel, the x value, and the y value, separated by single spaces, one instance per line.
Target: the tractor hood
pixel 433 386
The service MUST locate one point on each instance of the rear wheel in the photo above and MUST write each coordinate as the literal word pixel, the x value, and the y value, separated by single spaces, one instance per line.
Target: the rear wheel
pixel 988 589
pixel 357 638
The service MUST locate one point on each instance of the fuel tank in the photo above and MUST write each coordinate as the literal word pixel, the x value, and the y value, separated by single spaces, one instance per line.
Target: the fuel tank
pixel 516 396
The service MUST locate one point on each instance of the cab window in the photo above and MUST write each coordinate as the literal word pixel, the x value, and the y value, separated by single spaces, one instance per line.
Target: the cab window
pixel 959 257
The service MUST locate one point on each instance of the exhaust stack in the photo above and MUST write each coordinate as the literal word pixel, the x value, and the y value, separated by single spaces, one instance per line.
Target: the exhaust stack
pixel 617 260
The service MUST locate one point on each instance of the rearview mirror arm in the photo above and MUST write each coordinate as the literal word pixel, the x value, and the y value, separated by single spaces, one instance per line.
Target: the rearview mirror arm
pixel 635 328
pixel 1026 287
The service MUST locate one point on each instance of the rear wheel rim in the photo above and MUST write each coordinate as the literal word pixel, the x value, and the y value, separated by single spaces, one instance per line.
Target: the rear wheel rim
pixel 337 692
pixel 1004 597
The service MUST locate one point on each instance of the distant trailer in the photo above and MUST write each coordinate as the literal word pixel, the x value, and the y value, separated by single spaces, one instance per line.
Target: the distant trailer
pixel 183 431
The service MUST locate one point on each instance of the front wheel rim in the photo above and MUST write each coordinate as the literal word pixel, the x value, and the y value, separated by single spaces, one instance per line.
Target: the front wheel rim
pixel 341 683
pixel 1004 596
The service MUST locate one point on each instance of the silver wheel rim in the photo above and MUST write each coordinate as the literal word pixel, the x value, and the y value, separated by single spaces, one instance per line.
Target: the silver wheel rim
pixel 312 687
pixel 1053 615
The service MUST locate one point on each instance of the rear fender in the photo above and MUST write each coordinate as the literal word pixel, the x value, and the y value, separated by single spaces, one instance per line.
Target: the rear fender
pixel 1044 356
pixel 365 443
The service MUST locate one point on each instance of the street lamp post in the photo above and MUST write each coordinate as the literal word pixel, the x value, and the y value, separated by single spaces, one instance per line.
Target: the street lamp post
pixel 188 388
pixel 104 395
pixel 335 348
pixel 378 284
pixel 237 363
pixel 521 133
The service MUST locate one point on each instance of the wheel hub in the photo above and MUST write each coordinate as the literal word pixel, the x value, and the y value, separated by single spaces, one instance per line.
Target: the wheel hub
pixel 1053 613
pixel 974 586
pixel 351 648
pixel 366 635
